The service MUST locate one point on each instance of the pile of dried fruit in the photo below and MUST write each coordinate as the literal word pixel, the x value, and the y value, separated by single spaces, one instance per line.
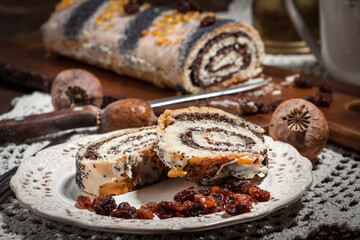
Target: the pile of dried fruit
pixel 233 195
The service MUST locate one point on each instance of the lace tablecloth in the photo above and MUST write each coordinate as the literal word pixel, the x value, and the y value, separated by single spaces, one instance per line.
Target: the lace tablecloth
pixel 329 209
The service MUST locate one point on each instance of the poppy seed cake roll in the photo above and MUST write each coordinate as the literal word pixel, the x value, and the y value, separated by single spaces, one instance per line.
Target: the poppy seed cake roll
pixel 119 163
pixel 156 44
pixel 207 144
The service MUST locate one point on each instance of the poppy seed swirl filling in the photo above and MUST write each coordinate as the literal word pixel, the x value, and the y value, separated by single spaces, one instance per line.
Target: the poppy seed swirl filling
pixel 222 58
pixel 206 144
pixel 120 163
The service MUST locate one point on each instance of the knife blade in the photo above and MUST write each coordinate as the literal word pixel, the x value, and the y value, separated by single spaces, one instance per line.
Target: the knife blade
pixel 256 83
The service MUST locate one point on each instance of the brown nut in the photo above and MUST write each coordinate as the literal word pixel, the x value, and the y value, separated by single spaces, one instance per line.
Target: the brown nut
pixel 126 113
pixel 76 87
pixel 301 124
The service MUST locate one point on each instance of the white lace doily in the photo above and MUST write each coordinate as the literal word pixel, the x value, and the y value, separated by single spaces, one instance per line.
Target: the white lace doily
pixel 333 199
pixel 331 206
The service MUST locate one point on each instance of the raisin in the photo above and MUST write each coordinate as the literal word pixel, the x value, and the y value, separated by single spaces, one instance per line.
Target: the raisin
pixel 247 107
pixel 124 210
pixel 195 209
pixel 245 188
pixel 232 184
pixel 326 88
pixel 83 202
pixel 187 194
pixel 105 206
pixel 205 192
pixel 182 7
pixel 193 6
pixel 127 213
pixel 144 214
pixel 207 201
pixel 259 194
pixel 164 207
pixel 131 8
pixel 302 82
pixel 230 208
pixel 309 98
pixel 207 21
pixel 219 203
pixel 266 108
pixel 222 191
pixel 243 203
pixel 123 205
pixel 323 99
pixel 275 103
pixel 151 206
pixel 96 201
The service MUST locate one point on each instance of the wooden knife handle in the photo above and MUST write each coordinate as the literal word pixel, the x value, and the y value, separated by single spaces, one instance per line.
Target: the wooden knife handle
pixel 20 129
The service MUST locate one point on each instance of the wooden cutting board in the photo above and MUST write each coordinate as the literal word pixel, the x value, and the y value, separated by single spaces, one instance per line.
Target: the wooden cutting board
pixel 23 62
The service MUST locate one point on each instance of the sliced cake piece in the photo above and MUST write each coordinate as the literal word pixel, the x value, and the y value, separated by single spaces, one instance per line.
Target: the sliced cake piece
pixel 207 144
pixel 119 163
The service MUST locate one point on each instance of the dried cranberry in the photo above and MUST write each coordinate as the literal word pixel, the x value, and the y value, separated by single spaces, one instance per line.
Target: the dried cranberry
pixel 83 202
pixel 193 6
pixel 105 206
pixel 275 103
pixel 182 7
pixel 326 88
pixel 207 21
pixel 323 99
pixel 196 209
pixel 232 184
pixel 309 98
pixel 131 8
pixel 187 194
pixel 144 214
pixel 302 82
pixel 259 194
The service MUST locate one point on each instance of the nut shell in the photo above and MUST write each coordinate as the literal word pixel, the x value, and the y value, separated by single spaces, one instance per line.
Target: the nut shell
pixel 126 113
pixel 78 79
pixel 310 142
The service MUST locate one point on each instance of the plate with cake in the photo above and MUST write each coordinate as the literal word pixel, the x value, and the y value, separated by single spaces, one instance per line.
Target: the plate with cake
pixel 198 169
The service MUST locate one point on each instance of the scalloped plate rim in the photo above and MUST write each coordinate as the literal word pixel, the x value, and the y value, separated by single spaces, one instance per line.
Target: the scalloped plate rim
pixel 15 185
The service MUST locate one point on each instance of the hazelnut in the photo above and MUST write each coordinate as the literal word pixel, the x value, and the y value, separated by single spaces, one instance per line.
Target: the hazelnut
pixel 76 87
pixel 301 124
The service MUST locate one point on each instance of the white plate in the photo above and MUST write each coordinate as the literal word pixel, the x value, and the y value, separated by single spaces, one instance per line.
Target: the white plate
pixel 45 184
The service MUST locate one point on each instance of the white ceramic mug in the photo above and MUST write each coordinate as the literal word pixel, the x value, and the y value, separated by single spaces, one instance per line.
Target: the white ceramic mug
pixel 339 52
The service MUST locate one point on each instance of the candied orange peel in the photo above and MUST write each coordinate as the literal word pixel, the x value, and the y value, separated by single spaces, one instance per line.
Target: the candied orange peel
pixel 64 4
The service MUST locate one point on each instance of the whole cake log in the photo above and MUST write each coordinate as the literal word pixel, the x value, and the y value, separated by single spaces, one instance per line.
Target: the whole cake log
pixel 157 44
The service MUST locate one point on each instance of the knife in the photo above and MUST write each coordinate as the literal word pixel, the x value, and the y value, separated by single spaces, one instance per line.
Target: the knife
pixel 20 129
pixel 255 83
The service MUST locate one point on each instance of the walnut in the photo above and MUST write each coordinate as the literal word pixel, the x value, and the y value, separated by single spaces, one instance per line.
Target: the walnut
pixel 301 124
pixel 76 87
